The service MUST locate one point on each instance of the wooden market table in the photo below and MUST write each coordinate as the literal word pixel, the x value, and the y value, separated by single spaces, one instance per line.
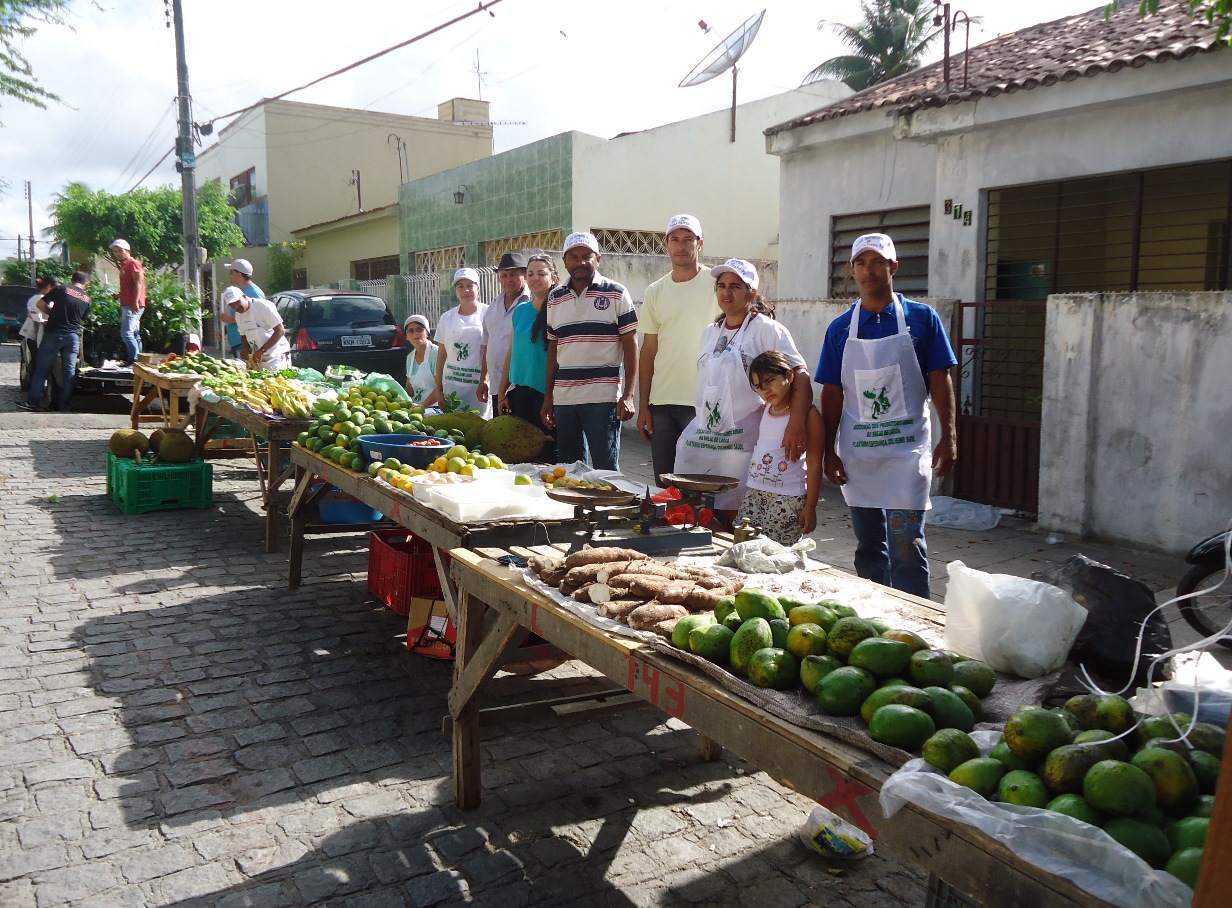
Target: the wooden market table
pixel 839 775
pixel 168 388
pixel 271 475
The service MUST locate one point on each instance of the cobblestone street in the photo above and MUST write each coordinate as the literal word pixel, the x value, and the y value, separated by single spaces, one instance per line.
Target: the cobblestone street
pixel 177 728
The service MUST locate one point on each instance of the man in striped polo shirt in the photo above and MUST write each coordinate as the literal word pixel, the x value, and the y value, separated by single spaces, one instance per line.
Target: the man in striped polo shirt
pixel 592 359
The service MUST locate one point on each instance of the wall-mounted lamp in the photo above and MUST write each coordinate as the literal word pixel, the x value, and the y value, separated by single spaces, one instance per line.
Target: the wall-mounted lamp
pixel 460 196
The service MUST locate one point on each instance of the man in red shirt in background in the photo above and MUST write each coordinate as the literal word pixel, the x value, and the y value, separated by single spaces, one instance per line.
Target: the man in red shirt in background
pixel 132 297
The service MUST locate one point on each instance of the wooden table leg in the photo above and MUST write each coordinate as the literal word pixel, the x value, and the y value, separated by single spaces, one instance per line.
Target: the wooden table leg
pixel 271 503
pixel 711 750
pixel 300 506
pixel 135 413
pixel 467 777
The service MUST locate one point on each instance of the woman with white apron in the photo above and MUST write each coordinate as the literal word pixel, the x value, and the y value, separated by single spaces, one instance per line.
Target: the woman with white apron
pixel 421 362
pixel 720 439
pixel 459 366
pixel 885 444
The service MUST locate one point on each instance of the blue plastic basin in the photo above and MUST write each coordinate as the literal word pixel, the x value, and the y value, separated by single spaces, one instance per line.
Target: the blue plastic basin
pixel 381 447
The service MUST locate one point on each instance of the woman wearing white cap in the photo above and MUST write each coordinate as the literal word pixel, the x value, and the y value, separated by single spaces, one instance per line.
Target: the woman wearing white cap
pixel 720 439
pixel 421 361
pixel 459 365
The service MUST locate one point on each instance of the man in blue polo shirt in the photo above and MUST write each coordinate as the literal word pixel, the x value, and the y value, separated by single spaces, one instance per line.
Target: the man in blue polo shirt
pixel 880 363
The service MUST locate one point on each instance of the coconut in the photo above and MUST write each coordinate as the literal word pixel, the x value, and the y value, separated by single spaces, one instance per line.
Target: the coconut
pixel 176 447
pixel 128 443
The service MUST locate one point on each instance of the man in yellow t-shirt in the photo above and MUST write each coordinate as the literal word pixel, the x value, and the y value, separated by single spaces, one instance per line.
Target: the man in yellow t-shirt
pixel 677 309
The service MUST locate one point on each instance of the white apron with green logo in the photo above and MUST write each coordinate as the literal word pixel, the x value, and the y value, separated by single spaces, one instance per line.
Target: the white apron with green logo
pixel 462 341
pixel 884 438
pixel 720 439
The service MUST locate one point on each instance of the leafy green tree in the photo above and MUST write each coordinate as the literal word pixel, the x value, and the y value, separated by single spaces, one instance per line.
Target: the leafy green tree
pixel 282 259
pixel 1217 12
pixel 150 219
pixel 889 41
pixel 17 18
pixel 19 272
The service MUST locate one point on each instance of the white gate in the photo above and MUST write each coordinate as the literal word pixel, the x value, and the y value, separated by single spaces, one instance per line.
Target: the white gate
pixel 418 294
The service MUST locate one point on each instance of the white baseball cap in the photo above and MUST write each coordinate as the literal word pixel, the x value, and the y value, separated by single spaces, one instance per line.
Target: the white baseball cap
pixel 243 266
pixel 232 295
pixel 580 238
pixel 417 319
pixel 120 244
pixel 740 268
pixel 685 222
pixel 878 242
pixel 465 274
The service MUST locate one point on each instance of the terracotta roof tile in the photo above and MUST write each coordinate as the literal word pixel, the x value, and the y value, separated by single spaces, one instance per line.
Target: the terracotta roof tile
pixel 1083 45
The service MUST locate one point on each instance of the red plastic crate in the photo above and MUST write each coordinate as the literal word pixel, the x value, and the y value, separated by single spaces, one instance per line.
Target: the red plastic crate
pixel 401 568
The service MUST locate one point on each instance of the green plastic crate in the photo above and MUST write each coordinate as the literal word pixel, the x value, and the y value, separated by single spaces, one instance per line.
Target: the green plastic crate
pixel 137 488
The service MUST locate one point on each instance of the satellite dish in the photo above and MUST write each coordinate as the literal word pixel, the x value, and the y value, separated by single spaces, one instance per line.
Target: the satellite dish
pixel 723 58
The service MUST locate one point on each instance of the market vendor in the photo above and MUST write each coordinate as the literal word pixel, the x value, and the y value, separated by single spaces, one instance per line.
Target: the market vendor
pixel 459 332
pixel 421 361
pixel 720 439
pixel 262 329
pixel 880 363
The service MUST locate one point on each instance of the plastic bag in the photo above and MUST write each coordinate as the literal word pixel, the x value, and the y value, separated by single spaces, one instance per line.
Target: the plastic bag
pixel 833 837
pixel 765 556
pixel 1022 627
pixel 1069 848
pixel 1116 605
pixel 962 515
pixel 388 385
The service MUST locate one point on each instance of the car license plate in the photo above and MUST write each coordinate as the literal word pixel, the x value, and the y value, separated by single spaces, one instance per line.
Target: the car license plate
pixel 356 340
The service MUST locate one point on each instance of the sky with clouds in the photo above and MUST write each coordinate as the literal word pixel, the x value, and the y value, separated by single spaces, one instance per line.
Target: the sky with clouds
pixel 546 66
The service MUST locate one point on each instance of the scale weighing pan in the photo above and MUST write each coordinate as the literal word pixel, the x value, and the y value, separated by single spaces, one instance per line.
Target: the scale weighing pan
pixel 700 482
pixel 592 498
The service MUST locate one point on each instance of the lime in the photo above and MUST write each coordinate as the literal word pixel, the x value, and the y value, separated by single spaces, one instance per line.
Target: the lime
pixel 521 480
pixel 374 468
pixel 455 465
pixel 393 463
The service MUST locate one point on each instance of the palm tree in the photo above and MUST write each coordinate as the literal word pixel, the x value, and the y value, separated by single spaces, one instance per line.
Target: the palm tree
pixel 888 42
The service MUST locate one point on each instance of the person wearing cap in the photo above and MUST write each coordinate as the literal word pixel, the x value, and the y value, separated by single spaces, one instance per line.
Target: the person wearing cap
pixel 721 436
pixel 880 363
pixel 459 365
pixel 131 296
pixel 677 309
pixel 239 273
pixel 421 361
pixel 498 321
pixel 592 359
pixel 262 329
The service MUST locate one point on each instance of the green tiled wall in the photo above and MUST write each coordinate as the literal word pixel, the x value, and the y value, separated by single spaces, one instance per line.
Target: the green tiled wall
pixel 523 190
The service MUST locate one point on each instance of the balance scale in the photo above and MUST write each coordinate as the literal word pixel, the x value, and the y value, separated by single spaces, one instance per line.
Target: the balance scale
pixel 616 517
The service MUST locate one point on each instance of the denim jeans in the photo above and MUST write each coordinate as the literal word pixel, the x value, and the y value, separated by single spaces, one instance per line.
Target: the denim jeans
pixel 588 426
pixel 670 421
pixel 890 549
pixel 130 332
pixel 62 345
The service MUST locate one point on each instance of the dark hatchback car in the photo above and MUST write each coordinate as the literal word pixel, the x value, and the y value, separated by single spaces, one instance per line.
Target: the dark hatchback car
pixel 342 328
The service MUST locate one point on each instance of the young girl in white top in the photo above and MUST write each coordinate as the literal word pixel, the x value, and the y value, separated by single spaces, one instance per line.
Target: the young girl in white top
pixel 782 494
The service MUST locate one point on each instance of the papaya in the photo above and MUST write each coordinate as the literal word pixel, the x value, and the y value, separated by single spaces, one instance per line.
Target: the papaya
pixel 753 635
pixel 884 658
pixel 901 726
pixel 754 603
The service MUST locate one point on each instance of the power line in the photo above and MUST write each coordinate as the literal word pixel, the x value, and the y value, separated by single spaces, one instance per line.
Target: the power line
pixel 482 8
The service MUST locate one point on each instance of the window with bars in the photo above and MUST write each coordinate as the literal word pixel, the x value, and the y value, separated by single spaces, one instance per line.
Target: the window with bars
pixel 908 227
pixel 1161 229
pixel 442 259
pixel 299 279
pixel 545 240
pixel 629 242
pixel 375 269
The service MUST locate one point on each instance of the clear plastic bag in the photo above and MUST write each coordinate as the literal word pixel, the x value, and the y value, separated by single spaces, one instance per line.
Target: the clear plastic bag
pixel 1021 627
pixel 1061 845
pixel 958 514
pixel 765 556
pixel 388 385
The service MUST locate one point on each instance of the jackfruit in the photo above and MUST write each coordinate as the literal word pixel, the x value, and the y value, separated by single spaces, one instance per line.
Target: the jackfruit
pixel 511 439
pixel 468 423
pixel 128 443
pixel 156 440
pixel 176 447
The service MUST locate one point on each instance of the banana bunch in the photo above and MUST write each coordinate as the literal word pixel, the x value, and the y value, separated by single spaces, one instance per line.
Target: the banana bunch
pixel 256 398
pixel 288 396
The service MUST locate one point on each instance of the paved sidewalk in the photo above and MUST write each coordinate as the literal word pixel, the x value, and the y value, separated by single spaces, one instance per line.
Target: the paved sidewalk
pixel 177 728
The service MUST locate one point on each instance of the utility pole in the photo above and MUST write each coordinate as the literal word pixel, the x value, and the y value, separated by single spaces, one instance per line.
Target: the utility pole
pixel 30 213
pixel 359 194
pixel 186 162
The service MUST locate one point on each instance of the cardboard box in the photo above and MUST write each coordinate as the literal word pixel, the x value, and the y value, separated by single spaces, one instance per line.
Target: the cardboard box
pixel 429 629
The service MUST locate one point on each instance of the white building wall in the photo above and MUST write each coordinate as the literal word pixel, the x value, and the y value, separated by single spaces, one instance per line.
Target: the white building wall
pixel 638 181
pixel 1137 392
pixel 244 147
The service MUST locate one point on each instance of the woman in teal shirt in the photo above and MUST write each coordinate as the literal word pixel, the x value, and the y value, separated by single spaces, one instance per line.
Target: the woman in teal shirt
pixel 526 366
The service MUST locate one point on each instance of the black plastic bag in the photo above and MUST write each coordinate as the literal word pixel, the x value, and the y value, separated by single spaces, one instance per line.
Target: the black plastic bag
pixel 1116 607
